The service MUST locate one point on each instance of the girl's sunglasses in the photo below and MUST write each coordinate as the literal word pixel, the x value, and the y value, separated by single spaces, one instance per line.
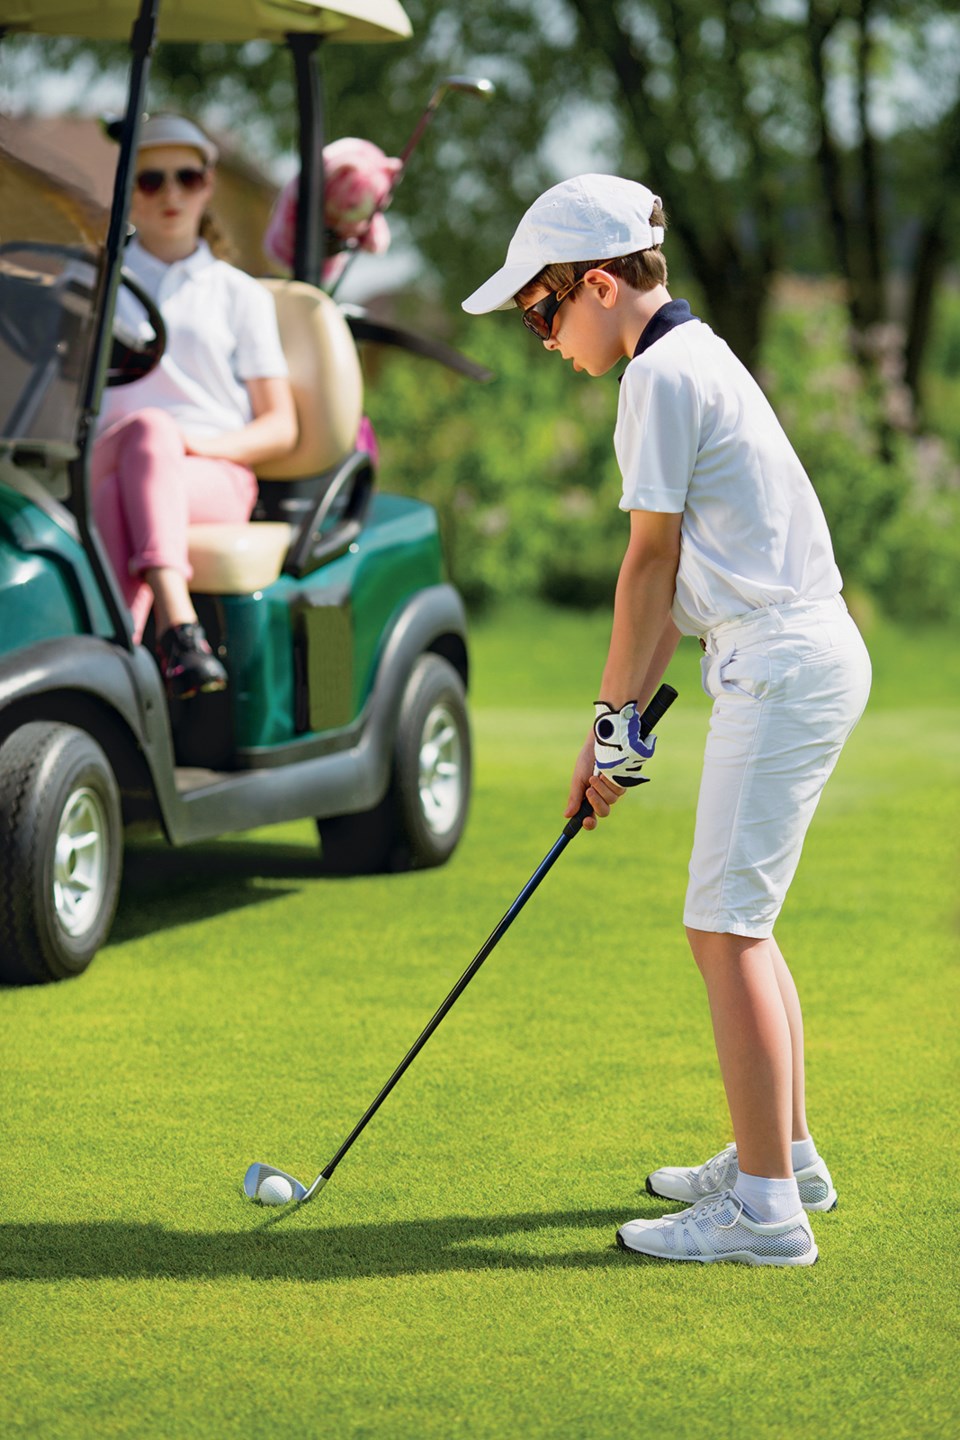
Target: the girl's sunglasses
pixel 540 317
pixel 151 182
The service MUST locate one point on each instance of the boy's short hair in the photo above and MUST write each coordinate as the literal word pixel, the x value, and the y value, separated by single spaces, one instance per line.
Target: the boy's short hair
pixel 642 270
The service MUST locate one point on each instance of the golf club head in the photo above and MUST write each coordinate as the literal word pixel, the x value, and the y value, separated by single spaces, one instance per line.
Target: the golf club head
pixel 256 1175
pixel 470 85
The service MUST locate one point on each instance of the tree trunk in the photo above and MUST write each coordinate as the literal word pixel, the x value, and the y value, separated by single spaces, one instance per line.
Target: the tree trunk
pixel 870 269
pixel 853 211
pixel 733 276
pixel 932 253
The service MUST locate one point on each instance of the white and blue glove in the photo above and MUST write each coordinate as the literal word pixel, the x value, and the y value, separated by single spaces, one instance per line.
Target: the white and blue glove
pixel 619 749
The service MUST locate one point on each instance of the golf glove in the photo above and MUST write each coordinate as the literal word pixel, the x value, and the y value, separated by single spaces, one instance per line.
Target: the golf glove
pixel 619 749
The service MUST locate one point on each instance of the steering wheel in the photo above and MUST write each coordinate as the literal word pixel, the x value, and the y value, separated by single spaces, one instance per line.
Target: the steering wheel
pixel 44 314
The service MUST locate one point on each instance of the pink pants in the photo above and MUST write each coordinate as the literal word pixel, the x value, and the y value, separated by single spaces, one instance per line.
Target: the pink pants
pixel 147 491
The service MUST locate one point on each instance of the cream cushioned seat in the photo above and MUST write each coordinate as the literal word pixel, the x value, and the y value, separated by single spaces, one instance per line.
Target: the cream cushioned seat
pixel 238 559
pixel 327 387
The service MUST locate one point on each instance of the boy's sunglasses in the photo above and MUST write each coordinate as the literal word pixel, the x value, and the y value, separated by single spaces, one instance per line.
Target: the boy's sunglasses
pixel 540 317
pixel 151 182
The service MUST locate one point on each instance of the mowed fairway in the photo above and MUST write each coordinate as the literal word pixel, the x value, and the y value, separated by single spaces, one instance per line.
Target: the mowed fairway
pixel 458 1276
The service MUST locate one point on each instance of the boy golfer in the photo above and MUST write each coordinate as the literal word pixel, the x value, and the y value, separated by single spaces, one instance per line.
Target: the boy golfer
pixel 727 542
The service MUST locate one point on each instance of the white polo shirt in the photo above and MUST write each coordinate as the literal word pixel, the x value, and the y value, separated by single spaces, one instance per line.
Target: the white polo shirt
pixel 696 436
pixel 221 331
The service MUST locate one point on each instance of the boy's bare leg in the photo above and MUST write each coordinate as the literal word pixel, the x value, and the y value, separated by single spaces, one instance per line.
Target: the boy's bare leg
pixel 754 1046
pixel 791 1004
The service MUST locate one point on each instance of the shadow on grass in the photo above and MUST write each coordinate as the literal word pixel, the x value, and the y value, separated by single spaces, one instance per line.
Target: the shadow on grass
pixel 164 887
pixel 121 1250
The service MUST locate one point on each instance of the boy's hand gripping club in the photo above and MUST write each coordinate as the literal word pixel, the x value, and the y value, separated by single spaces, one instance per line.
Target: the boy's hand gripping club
pixel 620 746
pixel 622 742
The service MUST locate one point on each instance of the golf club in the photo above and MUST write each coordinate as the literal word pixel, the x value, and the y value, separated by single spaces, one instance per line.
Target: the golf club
pixel 465 85
pixel 258 1175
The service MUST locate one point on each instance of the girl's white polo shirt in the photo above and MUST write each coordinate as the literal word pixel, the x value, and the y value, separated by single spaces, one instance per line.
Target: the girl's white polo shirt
pixel 696 436
pixel 221 331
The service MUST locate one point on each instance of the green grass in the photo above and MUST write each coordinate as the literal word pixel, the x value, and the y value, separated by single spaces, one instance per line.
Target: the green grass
pixel 457 1277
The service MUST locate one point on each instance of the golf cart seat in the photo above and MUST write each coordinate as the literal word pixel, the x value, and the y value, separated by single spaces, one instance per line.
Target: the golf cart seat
pixel 328 393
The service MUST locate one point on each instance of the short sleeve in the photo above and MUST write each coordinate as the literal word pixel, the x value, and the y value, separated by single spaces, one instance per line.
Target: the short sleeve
pixel 657 437
pixel 259 353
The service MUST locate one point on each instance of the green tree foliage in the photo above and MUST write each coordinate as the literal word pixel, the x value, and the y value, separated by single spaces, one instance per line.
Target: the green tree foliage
pixel 778 133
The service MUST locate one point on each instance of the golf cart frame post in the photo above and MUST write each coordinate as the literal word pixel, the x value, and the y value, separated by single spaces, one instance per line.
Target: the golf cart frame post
pixel 308 254
pixel 143 36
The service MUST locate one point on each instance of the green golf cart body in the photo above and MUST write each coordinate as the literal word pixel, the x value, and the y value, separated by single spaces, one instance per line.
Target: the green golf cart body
pixel 345 647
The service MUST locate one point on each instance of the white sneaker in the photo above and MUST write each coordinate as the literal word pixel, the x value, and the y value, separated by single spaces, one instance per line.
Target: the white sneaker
pixel 718 1228
pixel 720 1173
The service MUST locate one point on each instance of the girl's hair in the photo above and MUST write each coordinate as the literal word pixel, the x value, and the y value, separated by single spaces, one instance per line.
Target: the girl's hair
pixel 216 237
pixel 642 270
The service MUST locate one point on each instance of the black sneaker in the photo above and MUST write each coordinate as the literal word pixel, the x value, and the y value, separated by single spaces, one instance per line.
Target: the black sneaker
pixel 187 663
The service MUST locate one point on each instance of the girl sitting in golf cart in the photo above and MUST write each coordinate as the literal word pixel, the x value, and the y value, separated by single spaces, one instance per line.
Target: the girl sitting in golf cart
pixel 179 446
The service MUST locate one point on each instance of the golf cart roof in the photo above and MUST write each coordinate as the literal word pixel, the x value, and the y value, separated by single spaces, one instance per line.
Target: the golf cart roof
pixel 225 20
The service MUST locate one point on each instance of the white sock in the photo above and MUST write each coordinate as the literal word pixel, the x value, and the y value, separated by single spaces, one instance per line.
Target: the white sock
pixel 767 1200
pixel 803 1153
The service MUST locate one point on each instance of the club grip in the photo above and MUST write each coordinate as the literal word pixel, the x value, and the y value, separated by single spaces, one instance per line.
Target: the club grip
pixel 649 720
pixel 656 710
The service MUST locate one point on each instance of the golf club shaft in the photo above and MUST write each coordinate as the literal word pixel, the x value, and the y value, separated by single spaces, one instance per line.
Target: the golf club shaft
pixel 455 82
pixel 660 703
pixel 417 133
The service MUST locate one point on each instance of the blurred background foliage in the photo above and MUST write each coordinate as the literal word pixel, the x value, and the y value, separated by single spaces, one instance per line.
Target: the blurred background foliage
pixel 808 152
pixel 523 474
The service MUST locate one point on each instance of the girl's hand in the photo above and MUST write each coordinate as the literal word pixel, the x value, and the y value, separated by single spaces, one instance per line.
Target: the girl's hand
pixel 270 434
pixel 209 446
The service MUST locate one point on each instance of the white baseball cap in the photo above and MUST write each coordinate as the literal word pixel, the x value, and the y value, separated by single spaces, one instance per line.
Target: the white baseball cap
pixel 176 130
pixel 591 217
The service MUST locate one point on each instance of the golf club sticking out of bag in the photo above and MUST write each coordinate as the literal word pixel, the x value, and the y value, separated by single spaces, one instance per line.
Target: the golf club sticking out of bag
pixel 268 1185
pixel 464 85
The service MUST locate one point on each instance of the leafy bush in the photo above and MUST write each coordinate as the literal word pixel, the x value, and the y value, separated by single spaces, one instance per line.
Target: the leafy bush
pixel 894 522
pixel 917 569
pixel 521 470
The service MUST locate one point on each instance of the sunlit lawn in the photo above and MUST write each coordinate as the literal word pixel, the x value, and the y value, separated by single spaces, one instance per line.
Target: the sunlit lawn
pixel 458 1276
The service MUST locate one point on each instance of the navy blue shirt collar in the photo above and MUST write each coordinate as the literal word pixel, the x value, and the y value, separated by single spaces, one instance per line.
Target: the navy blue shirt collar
pixel 667 318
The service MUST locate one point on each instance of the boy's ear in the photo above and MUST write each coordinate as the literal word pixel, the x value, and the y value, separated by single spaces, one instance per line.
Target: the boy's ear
pixel 604 284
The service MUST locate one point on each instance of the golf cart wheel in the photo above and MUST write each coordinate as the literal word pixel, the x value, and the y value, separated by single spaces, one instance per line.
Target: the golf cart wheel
pixel 61 852
pixel 421 818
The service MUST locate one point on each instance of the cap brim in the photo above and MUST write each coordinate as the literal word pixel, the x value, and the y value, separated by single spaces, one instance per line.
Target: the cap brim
pixel 497 293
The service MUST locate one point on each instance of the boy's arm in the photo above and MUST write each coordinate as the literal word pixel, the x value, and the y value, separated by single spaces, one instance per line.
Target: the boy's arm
pixel 670 638
pixel 645 590
pixel 641 644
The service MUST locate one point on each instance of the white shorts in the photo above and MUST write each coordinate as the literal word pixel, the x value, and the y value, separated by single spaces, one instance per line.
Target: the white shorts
pixel 788 683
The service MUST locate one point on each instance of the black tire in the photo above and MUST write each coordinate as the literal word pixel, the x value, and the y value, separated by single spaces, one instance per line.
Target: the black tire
pixel 421 818
pixel 61 852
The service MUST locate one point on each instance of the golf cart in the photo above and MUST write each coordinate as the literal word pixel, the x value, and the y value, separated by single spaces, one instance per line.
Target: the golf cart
pixel 346 650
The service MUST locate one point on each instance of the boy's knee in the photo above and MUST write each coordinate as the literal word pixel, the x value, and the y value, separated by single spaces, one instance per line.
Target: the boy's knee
pixel 696 940
pixel 713 950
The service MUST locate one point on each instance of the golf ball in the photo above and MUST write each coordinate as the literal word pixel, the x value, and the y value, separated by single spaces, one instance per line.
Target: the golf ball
pixel 275 1190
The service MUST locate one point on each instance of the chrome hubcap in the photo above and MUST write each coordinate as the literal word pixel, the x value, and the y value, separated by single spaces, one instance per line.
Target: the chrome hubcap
pixel 441 770
pixel 80 862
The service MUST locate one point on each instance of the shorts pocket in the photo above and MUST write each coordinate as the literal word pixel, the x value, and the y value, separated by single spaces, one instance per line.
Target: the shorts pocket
pixel 745 673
